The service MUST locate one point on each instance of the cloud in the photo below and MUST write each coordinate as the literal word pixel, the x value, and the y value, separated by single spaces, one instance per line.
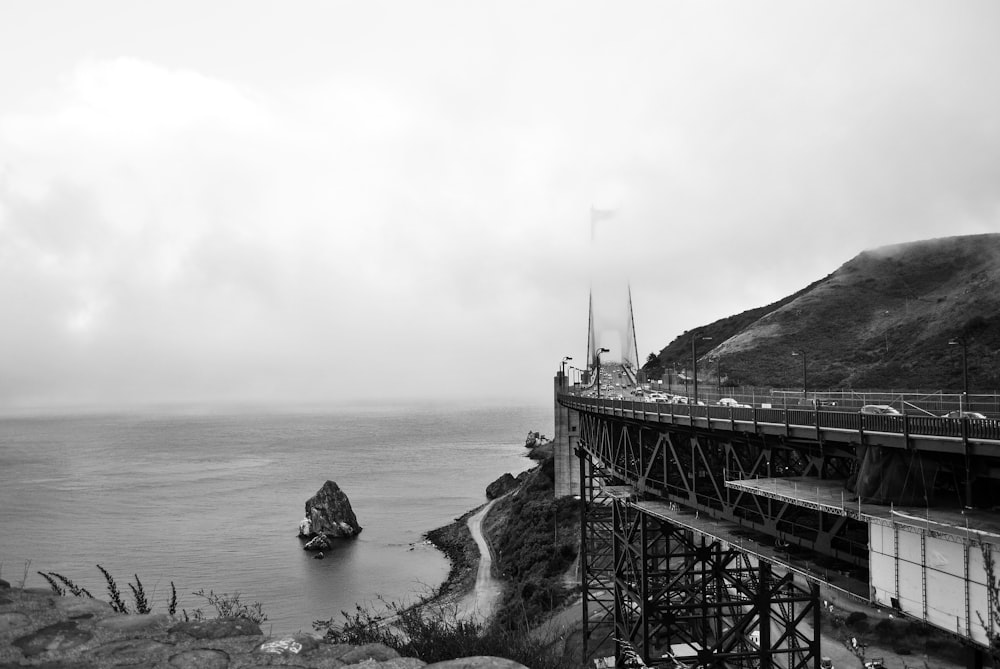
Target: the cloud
pixel 168 224
pixel 404 208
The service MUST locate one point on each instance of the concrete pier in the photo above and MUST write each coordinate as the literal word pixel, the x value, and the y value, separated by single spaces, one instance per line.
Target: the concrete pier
pixel 566 439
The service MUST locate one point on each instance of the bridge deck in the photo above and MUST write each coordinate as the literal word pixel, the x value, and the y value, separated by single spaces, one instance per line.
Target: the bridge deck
pixel 830 496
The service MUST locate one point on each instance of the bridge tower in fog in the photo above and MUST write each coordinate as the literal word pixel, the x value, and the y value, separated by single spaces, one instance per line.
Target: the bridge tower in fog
pixel 614 330
pixel 610 326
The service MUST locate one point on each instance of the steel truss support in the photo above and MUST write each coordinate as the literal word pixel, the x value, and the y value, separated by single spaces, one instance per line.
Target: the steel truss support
pixel 690 467
pixel 661 589
pixel 684 598
pixel 597 580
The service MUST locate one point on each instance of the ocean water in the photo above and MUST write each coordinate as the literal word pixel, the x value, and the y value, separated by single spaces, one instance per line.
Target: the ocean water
pixel 212 499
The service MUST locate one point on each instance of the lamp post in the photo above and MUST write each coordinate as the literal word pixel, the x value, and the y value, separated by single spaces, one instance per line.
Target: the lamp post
pixel 718 375
pixel 694 365
pixel 562 365
pixel 960 341
pixel 599 352
pixel 805 379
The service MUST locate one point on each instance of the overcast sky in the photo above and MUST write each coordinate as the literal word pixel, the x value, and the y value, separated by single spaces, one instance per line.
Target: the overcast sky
pixel 316 201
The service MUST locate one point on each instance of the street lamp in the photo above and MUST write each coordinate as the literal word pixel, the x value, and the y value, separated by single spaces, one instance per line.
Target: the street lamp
pixel 599 352
pixel 805 381
pixel 694 365
pixel 562 365
pixel 960 341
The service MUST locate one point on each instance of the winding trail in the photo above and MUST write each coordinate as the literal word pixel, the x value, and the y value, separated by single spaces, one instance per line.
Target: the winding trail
pixel 479 604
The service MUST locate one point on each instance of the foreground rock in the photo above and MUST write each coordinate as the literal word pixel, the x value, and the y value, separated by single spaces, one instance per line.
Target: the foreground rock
pixel 328 516
pixel 40 628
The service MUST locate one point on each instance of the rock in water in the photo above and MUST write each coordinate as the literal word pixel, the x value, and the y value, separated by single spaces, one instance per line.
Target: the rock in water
pixel 305 528
pixel 329 513
pixel 318 543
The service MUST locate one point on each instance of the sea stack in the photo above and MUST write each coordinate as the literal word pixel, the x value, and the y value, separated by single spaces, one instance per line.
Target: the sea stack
pixel 328 515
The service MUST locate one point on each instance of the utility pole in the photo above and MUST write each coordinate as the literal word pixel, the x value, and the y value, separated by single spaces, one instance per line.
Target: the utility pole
pixel 694 364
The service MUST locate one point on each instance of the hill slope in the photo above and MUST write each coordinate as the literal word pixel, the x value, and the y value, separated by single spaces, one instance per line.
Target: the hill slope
pixel 882 320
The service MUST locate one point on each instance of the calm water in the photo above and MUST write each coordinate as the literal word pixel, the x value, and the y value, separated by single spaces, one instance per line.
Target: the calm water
pixel 213 500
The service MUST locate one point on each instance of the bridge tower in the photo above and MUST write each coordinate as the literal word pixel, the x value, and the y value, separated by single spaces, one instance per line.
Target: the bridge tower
pixel 567 421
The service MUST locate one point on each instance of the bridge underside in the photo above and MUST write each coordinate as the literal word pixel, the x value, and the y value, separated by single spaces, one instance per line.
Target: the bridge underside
pixel 678 597
pixel 691 468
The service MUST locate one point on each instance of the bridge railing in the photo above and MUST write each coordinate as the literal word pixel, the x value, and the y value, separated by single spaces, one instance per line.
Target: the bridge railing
pixel 912 424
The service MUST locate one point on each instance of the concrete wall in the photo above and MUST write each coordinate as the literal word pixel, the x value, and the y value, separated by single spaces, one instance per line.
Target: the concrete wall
pixel 567 425
pixel 939 580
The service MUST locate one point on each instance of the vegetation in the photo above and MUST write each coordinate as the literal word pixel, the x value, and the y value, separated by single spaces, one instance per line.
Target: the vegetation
pixel 883 320
pixel 535 545
pixel 436 636
pixel 992 604
pixel 225 605
pixel 904 636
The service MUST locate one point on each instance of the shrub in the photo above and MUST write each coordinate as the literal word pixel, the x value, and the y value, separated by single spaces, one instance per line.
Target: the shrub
pixel 225 605
pixel 228 606
pixel 436 636
pixel 855 617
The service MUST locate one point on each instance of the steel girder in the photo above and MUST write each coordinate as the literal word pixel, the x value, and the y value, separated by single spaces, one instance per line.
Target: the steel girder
pixel 671 596
pixel 685 598
pixel 690 466
pixel 597 580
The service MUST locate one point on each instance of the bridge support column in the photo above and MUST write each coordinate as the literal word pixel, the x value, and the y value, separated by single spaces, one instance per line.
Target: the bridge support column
pixel 565 440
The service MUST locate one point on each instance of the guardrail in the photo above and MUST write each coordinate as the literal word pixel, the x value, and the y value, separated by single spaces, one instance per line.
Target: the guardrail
pixel 903 424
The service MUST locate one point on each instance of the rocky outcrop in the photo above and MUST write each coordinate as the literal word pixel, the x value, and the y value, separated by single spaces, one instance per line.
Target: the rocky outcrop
pixel 534 440
pixel 328 516
pixel 540 445
pixel 501 486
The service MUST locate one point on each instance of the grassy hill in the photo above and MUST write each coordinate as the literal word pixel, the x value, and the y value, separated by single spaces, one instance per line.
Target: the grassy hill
pixel 883 320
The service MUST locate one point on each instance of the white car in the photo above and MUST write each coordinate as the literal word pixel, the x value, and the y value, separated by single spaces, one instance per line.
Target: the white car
pixel 879 409
pixel 730 402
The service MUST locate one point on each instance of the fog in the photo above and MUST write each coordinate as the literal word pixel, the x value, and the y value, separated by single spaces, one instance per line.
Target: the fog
pixel 331 201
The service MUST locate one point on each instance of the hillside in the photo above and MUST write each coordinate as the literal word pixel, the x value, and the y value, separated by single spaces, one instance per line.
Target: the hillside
pixel 883 320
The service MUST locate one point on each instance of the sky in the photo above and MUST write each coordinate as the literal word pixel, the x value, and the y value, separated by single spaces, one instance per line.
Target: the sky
pixel 323 202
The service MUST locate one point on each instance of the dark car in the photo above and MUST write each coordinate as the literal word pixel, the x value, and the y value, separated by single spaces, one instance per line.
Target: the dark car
pixel 964 414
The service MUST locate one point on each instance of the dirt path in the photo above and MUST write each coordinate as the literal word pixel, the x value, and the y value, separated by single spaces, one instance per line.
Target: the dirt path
pixel 479 604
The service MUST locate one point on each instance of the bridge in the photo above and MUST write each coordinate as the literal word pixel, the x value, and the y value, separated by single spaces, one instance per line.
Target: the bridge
pixel 711 533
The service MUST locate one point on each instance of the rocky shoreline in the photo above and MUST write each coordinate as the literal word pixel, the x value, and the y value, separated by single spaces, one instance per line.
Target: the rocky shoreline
pixel 455 541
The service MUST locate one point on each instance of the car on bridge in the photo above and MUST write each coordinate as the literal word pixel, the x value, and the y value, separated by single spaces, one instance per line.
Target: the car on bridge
pixel 879 409
pixel 975 415
pixel 730 402
pixel 821 404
